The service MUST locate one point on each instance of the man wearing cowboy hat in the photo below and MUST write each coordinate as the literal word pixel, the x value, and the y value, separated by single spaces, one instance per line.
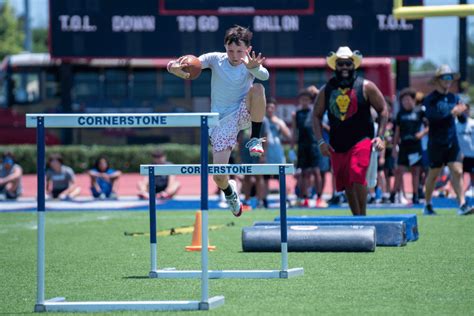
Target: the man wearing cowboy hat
pixel 348 99
pixel 442 107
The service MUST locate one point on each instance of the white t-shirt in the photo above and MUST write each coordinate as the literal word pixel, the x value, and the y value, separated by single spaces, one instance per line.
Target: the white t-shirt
pixel 229 84
pixel 465 133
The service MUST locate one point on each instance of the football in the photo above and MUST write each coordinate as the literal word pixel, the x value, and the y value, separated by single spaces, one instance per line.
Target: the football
pixel 194 69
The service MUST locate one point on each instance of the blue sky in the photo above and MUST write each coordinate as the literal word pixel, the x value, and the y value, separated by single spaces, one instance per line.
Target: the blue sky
pixel 440 41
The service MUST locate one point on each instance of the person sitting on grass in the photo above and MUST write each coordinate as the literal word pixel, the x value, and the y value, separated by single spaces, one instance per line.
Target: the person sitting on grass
pixel 60 179
pixel 165 186
pixel 10 178
pixel 104 179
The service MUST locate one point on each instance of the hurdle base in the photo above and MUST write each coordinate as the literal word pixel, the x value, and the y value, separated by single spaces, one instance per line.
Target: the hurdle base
pixel 227 274
pixel 104 306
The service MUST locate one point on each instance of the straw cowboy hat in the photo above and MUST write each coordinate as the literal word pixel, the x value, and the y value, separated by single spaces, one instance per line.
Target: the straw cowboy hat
pixel 344 52
pixel 444 70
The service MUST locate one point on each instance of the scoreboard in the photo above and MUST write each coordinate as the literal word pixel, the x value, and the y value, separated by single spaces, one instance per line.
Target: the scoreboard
pixel 282 28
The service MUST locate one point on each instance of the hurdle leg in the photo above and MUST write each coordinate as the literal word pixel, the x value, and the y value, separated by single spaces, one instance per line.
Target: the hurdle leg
pixel 40 273
pixel 283 222
pixel 285 273
pixel 204 215
pixel 152 202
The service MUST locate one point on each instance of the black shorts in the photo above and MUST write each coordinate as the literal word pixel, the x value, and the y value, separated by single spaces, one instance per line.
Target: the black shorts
pixel 389 164
pixel 308 156
pixel 160 188
pixel 271 176
pixel 8 194
pixel 442 155
pixel 57 192
pixel 410 152
pixel 468 164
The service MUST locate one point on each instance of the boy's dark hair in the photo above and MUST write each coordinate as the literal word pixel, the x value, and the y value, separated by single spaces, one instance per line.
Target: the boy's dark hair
pixel 97 162
pixel 305 93
pixel 271 100
pixel 408 91
pixel 8 154
pixel 55 156
pixel 158 153
pixel 237 34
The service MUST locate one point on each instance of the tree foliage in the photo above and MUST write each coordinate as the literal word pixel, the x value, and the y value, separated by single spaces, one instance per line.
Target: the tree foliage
pixel 11 35
pixel 40 40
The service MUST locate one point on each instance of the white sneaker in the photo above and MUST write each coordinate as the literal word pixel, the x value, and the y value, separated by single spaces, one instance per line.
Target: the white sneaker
pixel 222 201
pixel 234 200
pixel 255 146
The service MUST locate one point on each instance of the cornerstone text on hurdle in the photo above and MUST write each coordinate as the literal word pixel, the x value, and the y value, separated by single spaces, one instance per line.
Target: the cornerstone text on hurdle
pixel 121 120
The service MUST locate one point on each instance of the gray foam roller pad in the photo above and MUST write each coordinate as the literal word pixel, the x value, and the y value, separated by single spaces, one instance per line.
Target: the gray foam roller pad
pixel 307 238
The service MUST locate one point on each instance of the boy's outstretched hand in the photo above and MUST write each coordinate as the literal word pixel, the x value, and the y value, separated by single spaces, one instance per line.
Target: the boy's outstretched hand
pixel 252 60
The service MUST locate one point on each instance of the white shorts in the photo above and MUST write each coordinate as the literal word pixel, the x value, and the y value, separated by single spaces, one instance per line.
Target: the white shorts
pixel 224 136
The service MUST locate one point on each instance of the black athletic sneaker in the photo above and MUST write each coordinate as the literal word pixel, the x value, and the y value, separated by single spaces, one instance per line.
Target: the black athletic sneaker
pixel 392 198
pixel 465 210
pixel 416 200
pixel 428 210
pixel 335 200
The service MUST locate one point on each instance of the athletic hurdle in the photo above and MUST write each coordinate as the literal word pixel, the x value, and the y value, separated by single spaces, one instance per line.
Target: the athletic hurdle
pixel 261 169
pixel 42 121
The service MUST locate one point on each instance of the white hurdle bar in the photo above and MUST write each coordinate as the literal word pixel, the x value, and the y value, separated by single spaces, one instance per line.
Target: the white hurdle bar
pixel 257 169
pixel 132 120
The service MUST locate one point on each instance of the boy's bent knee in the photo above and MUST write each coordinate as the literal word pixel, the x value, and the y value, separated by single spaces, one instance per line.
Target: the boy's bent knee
pixel 257 89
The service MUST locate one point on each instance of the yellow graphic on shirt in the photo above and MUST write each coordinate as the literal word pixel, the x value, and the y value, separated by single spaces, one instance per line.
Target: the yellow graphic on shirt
pixel 343 102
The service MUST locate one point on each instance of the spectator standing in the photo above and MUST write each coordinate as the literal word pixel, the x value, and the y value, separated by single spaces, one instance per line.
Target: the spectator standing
pixel 442 107
pixel 274 130
pixel 308 154
pixel 425 163
pixel 465 133
pixel 407 142
pixel 388 163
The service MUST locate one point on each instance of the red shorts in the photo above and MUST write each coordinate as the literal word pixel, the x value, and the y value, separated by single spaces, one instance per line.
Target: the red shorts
pixel 351 167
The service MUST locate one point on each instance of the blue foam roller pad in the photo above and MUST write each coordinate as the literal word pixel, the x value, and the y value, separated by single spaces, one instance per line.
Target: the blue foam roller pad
pixel 387 233
pixel 309 238
pixel 409 219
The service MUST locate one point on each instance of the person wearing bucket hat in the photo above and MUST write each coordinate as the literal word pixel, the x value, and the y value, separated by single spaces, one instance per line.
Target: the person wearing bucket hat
pixel 348 100
pixel 442 107
pixel 10 178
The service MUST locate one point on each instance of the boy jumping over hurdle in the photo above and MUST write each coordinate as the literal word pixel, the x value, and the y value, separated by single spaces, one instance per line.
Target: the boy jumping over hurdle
pixel 239 102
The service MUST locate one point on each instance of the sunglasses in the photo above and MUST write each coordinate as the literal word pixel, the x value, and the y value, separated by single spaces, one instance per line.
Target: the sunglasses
pixel 347 63
pixel 447 77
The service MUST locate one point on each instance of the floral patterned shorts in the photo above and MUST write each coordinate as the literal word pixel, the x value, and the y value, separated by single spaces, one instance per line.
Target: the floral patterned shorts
pixel 224 136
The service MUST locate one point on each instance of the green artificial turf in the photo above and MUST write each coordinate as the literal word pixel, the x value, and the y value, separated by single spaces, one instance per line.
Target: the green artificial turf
pixel 88 257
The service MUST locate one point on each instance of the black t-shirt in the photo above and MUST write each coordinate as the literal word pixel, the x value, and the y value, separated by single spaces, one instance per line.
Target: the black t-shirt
pixel 305 129
pixel 410 123
pixel 349 115
pixel 438 112
pixel 161 182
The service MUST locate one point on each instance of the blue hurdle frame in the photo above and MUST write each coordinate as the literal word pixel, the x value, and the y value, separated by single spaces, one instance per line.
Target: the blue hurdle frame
pixel 59 304
pixel 283 273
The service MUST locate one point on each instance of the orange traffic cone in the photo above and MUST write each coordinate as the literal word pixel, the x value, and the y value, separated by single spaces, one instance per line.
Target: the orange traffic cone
pixel 196 244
